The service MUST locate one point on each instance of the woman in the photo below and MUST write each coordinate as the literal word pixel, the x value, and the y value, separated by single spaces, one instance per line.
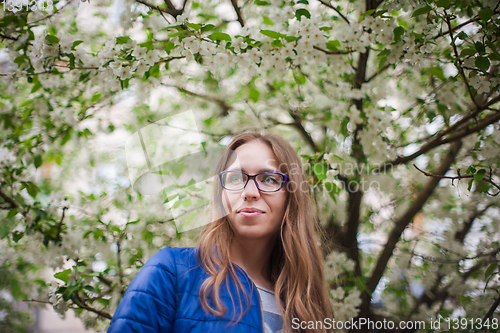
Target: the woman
pixel 258 265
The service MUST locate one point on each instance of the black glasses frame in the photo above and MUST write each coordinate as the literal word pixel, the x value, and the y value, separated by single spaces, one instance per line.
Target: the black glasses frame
pixel 254 179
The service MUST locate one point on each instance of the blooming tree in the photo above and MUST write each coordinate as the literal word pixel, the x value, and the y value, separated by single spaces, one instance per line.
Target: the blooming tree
pixel 392 104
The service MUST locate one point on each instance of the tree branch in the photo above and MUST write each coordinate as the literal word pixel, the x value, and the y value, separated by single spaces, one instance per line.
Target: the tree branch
pixel 8 200
pixel 81 304
pixel 460 234
pixel 238 12
pixel 331 52
pixel 8 37
pixel 461 25
pixel 404 220
pixel 489 181
pixel 438 141
pixel 57 11
pixel 297 123
pixel 170 10
pixel 59 226
pixel 224 106
pixel 492 308
pixel 336 10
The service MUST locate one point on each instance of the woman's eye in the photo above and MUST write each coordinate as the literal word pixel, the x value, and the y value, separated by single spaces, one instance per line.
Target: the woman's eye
pixel 235 179
pixel 270 180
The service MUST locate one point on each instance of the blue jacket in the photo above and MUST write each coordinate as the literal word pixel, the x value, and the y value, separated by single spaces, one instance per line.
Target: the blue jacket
pixel 164 297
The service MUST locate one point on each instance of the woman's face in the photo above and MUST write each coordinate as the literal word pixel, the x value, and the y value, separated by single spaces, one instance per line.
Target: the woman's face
pixel 254 214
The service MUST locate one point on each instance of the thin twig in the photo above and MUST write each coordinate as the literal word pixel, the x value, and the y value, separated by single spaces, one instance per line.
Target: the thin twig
pixel 238 12
pixel 488 180
pixel 84 306
pixel 331 52
pixel 336 10
pixel 50 15
pixel 9 200
pixel 37 301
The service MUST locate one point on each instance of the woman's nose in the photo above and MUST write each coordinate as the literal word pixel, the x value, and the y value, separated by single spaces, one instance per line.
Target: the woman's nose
pixel 251 190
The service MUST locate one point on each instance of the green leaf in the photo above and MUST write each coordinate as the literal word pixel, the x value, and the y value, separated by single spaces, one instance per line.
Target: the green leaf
pixel 96 97
pixel 12 212
pixel 16 236
pixel 444 3
pixel 154 71
pixel 272 34
pixel 480 48
pixel 104 301
pixel 485 14
pixel 194 26
pixel 302 12
pixel 267 20
pixel 291 38
pixel 90 288
pixel 462 35
pixel 122 40
pixel 320 170
pixel 470 185
pixel 490 270
pixel 332 190
pixel 76 43
pixel 492 46
pixel 220 36
pixel 384 53
pixel 421 11
pixel 32 189
pixel 66 136
pixel 382 62
pixel 207 27
pixel 305 2
pixel 300 78
pixel 479 175
pixel 398 33
pixel 38 160
pixel 36 84
pixel 482 63
pixel 186 202
pixel 170 46
pixel 333 45
pixel 178 33
pixel 254 95
pixel 148 45
pixel 64 275
pixel 471 169
pixel 438 72
pixel 262 3
pixel 19 60
pixel 124 83
pixel 52 39
pixel 494 57
pixel 467 52
pixel 25 103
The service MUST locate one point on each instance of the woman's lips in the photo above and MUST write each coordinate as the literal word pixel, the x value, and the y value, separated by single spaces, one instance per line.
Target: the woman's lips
pixel 250 214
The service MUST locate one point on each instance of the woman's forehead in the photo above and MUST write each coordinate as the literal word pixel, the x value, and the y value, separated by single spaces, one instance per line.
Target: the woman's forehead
pixel 254 155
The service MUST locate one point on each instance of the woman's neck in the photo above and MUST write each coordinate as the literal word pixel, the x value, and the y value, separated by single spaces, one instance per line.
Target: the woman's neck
pixel 254 257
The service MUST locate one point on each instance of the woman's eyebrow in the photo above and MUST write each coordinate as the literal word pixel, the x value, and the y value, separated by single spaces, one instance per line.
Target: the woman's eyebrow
pixel 260 170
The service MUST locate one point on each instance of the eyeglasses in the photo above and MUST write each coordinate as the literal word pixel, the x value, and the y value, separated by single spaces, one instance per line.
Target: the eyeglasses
pixel 265 181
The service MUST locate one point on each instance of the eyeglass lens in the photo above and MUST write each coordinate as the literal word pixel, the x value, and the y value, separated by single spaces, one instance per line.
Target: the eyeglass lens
pixel 235 180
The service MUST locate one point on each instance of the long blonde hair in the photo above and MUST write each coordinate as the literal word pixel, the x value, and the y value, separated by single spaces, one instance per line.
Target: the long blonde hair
pixel 296 261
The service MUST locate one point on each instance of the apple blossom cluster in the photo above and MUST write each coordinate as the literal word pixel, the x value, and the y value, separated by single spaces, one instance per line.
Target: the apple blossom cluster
pixel 337 263
pixel 345 304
